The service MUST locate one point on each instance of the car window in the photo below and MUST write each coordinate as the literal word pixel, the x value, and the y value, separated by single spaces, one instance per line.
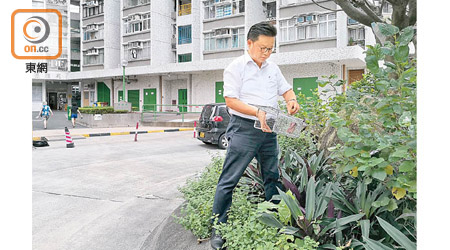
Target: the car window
pixel 206 112
pixel 223 112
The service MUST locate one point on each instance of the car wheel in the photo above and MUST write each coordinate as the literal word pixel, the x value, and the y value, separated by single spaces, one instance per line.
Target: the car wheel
pixel 223 142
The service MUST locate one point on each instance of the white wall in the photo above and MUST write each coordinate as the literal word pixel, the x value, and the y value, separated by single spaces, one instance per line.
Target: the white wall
pixel 161 32
pixel 112 33
pixel 143 82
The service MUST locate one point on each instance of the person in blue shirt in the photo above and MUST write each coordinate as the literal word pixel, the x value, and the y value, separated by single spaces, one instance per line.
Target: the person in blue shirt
pixel 45 113
pixel 74 112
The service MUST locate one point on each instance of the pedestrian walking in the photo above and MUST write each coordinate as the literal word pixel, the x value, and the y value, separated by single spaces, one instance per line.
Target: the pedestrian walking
pixel 251 79
pixel 74 111
pixel 45 113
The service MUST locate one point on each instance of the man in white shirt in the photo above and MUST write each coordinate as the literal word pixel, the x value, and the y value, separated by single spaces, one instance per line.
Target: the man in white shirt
pixel 250 79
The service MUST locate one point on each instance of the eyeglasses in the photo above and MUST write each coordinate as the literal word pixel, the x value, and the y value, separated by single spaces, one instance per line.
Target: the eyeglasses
pixel 266 50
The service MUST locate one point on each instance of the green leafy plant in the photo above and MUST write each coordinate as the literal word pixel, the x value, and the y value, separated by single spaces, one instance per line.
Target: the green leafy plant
pixel 377 123
pixel 96 110
pixel 199 196
pixel 373 156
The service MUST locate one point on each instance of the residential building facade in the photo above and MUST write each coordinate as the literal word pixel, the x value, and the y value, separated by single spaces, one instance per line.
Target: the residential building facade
pixel 174 51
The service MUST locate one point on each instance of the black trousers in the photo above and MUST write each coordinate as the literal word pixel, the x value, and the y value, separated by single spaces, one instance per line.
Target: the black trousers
pixel 244 143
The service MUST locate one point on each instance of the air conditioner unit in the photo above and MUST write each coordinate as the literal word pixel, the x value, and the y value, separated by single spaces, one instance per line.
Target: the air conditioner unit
pixel 136 18
pixel 92 52
pixel 92 3
pixel 136 45
pixel 91 27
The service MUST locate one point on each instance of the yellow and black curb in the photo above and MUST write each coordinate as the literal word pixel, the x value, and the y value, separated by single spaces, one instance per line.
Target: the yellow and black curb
pixel 126 133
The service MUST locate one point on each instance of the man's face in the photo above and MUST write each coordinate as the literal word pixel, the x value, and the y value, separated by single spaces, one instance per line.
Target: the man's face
pixel 261 49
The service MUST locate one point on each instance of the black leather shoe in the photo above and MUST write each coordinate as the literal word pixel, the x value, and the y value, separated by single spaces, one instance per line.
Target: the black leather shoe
pixel 216 240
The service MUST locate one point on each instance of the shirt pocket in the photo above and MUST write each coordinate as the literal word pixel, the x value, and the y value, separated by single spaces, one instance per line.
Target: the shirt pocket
pixel 271 86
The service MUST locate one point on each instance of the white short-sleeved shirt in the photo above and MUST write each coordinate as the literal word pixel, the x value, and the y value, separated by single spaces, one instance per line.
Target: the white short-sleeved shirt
pixel 244 80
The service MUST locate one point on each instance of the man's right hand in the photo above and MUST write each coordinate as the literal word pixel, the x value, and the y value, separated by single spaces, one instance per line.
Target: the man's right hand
pixel 262 119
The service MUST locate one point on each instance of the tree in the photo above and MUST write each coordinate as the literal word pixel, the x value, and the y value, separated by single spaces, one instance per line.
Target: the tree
pixel 404 13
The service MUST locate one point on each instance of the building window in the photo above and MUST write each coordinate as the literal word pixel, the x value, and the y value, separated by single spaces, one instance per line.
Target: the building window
pixel 136 23
pixel 226 38
pixel 238 38
pixel 327 25
pixel 93 32
pixel 137 50
pixel 184 34
pixel 351 21
pixel 287 28
pixel 271 10
pixel 387 8
pixel 356 36
pixel 308 27
pixel 210 42
pixel 132 3
pixel 92 8
pixel 93 56
pixel 184 8
pixel 185 58
pixel 222 8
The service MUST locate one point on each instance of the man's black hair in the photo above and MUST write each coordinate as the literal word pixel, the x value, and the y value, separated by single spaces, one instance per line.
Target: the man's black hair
pixel 262 28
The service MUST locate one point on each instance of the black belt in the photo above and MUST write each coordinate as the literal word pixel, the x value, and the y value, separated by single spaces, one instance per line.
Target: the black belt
pixel 244 119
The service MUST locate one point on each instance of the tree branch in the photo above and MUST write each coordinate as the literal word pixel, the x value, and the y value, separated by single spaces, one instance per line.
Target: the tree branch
pixel 412 13
pixel 354 12
pixel 368 11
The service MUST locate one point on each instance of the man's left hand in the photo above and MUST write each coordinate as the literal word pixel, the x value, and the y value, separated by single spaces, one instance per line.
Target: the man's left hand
pixel 292 107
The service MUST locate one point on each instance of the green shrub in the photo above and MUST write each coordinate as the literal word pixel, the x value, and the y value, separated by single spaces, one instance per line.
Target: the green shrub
pixel 377 123
pixel 368 200
pixel 199 196
pixel 96 110
pixel 245 231
pixel 119 111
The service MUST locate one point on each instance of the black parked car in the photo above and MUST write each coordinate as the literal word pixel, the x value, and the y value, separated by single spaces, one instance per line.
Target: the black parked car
pixel 213 124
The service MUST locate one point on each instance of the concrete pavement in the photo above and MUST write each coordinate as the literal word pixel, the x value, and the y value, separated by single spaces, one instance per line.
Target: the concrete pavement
pixel 114 193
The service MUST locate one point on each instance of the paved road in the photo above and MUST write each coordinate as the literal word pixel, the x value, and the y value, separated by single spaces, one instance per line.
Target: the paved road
pixel 110 192
pixel 57 121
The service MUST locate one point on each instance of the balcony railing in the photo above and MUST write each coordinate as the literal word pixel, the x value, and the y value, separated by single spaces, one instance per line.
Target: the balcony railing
pixel 185 9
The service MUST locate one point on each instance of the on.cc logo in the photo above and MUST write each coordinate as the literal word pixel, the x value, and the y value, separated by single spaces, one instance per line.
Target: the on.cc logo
pixel 36 30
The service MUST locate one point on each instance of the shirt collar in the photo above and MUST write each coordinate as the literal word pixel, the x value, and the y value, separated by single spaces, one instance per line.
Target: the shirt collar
pixel 248 58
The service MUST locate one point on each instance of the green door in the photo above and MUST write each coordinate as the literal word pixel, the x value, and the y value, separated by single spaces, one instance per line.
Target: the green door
pixel 120 95
pixel 219 92
pixel 103 93
pixel 182 99
pixel 149 99
pixel 133 97
pixel 305 86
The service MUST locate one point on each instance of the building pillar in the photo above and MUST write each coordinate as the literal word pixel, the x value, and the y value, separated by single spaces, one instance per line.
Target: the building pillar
pixel 112 93
pixel 81 87
pixel 44 91
pixel 69 94
pixel 341 29
pixel 160 93
pixel 95 92
pixel 190 94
